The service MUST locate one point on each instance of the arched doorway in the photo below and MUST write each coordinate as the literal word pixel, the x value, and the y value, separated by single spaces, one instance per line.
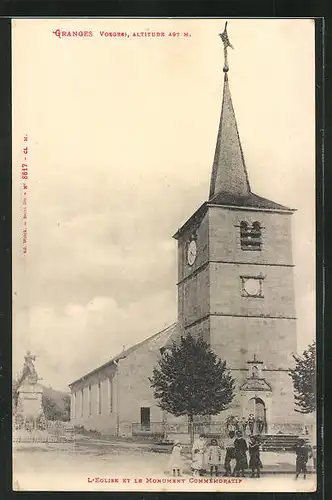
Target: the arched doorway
pixel 258 410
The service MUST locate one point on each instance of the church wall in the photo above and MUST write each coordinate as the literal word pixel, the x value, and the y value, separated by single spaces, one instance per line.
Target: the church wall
pixel 224 236
pixel 225 282
pixel 283 403
pixel 190 304
pixel 105 421
pixel 201 232
pixel 237 339
pixel 279 403
pixel 134 387
pixel 200 329
pixel 196 296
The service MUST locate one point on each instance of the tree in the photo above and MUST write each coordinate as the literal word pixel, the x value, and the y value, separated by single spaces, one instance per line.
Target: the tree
pixel 66 404
pixel 190 379
pixel 51 409
pixel 304 380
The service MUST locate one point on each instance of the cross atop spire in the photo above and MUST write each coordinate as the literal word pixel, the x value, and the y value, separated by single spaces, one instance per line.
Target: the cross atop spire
pixel 229 180
pixel 226 42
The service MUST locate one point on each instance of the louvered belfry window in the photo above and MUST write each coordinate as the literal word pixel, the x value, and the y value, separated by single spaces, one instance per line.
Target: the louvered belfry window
pixel 251 236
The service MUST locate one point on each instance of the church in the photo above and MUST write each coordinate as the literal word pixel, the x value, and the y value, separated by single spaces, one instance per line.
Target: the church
pixel 235 289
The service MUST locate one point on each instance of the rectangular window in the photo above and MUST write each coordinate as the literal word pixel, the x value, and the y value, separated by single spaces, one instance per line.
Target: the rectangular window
pixel 99 398
pixel 110 394
pixel 82 402
pixel 74 405
pixel 89 398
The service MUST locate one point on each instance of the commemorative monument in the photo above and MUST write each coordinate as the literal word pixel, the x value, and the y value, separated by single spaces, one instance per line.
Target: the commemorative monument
pixel 27 391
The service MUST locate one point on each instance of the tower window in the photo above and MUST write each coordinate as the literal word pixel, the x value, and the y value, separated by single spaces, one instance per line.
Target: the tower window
pixel 251 236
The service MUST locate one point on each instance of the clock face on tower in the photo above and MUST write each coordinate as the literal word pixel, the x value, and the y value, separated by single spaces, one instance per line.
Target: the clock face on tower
pixel 191 252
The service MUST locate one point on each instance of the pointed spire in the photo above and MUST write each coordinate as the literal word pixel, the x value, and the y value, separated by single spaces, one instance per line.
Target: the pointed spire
pixel 229 174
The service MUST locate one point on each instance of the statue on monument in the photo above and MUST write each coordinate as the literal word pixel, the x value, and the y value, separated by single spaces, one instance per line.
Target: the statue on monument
pixel 29 373
pixel 27 393
pixel 29 370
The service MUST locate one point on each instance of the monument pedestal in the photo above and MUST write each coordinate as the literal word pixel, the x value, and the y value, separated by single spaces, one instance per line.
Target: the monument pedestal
pixel 30 400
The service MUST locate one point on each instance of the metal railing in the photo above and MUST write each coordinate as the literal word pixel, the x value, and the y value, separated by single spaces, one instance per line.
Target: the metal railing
pixel 151 427
pixel 219 428
pixel 41 430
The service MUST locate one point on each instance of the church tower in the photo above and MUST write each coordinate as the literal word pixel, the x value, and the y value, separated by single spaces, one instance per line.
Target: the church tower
pixel 235 281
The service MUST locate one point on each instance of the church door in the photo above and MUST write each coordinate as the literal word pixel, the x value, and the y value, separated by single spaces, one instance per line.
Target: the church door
pixel 257 406
pixel 145 419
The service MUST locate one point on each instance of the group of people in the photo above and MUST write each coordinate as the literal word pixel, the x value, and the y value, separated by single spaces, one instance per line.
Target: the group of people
pixel 235 449
pixel 251 423
pixel 209 456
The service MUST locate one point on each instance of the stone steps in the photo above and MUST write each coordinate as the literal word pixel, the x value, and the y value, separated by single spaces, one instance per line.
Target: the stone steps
pixel 279 442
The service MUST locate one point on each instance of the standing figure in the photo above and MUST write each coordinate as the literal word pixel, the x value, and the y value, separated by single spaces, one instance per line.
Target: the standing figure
pixel 176 463
pixel 230 453
pixel 260 425
pixel 198 451
pixel 214 456
pixel 237 423
pixel 302 455
pixel 251 422
pixel 243 425
pixel 241 449
pixel 255 462
pixel 197 462
pixel 231 425
pixel 314 456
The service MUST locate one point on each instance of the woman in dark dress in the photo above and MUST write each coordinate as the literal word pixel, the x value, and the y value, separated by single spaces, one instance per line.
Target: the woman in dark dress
pixel 241 448
pixel 255 463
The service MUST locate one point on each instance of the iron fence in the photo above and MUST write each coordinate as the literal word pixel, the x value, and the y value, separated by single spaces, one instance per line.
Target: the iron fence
pixel 41 430
pixel 220 428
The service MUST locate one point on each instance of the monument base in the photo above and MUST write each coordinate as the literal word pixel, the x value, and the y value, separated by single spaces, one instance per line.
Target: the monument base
pixel 29 402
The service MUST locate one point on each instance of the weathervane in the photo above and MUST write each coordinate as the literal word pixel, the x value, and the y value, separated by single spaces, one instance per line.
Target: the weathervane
pixel 226 42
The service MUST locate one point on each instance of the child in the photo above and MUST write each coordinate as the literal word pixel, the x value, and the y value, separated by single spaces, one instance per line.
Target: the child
pixel 198 455
pixel 197 462
pixel 302 455
pixel 230 453
pixel 214 456
pixel 176 463
pixel 241 448
pixel 255 463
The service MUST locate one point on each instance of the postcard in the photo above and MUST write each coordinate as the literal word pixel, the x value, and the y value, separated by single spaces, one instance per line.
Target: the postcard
pixel 164 255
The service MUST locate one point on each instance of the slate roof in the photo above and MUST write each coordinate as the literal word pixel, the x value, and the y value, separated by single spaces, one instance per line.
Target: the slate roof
pixel 249 200
pixel 229 172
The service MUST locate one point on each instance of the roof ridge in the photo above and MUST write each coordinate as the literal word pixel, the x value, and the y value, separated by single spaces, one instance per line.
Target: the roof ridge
pixel 124 353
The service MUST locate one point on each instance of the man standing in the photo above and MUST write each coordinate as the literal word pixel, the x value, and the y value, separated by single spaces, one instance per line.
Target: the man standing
pixel 302 455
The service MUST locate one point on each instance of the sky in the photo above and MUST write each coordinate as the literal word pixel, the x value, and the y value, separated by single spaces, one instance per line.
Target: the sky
pixel 121 137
